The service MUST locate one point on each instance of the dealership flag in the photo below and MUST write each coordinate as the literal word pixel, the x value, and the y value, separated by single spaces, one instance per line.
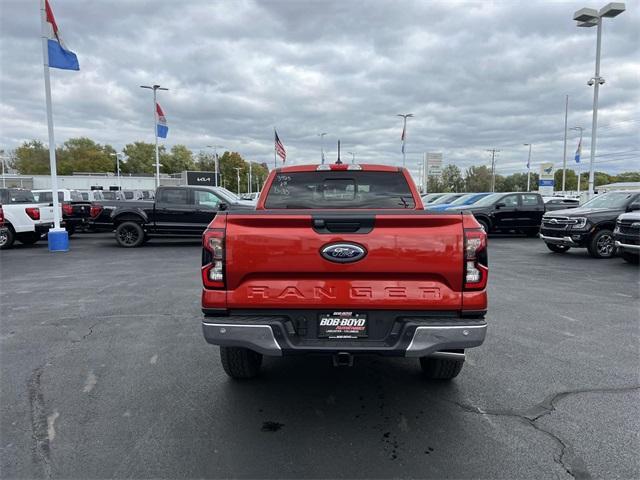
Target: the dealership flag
pixel 282 153
pixel 578 151
pixel 161 122
pixel 59 56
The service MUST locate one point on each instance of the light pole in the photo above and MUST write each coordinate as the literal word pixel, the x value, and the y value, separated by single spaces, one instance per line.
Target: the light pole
pixel 404 133
pixel 528 167
pixel 578 155
pixel 237 169
pixel 493 168
pixel 155 89
pixel 589 17
pixel 215 161
pixel 249 179
pixel 117 155
pixel 321 135
pixel 4 182
pixel 353 157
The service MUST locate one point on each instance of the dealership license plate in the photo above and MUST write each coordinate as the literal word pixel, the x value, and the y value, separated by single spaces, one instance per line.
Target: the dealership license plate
pixel 342 325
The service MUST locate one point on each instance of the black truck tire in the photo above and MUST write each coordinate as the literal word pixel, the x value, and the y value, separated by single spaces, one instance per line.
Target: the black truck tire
pixel 602 244
pixel 240 363
pixel 557 248
pixel 633 258
pixel 28 238
pixel 484 224
pixel 440 368
pixel 129 234
pixel 7 237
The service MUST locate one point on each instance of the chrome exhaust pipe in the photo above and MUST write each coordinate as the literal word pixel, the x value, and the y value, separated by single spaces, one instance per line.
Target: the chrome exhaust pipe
pixel 448 355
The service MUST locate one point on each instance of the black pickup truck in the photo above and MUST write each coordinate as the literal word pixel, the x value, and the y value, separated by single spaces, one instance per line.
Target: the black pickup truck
pixel 590 226
pixel 179 211
pixel 506 212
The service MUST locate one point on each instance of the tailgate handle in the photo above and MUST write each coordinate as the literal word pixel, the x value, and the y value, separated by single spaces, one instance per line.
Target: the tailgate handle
pixel 351 224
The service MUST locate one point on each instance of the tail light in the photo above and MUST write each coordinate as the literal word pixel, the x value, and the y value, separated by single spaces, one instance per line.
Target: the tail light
pixel 475 259
pixel 213 258
pixel 1 217
pixel 67 209
pixel 95 210
pixel 33 212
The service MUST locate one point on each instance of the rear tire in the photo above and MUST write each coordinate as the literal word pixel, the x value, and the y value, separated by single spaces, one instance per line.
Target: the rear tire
pixel 129 235
pixel 7 237
pixel 484 224
pixel 632 258
pixel 602 244
pixel 240 363
pixel 440 368
pixel 28 238
pixel 557 248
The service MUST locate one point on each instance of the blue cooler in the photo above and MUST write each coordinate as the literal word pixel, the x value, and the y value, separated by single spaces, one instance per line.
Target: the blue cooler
pixel 58 239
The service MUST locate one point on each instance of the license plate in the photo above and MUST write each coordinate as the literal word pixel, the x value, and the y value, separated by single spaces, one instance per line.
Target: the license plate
pixel 342 325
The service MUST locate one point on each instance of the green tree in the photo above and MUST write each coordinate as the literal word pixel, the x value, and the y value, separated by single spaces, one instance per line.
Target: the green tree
pixel 434 184
pixel 32 158
pixel 84 155
pixel 478 179
pixel 179 159
pixel 451 179
pixel 206 162
pixel 140 157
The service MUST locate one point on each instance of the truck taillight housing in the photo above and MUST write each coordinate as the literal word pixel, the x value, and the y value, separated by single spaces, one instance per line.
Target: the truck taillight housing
pixel 475 259
pixel 95 210
pixel 1 217
pixel 33 212
pixel 67 209
pixel 213 258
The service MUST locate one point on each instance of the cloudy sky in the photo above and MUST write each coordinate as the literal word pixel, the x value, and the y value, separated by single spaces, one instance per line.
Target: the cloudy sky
pixel 476 75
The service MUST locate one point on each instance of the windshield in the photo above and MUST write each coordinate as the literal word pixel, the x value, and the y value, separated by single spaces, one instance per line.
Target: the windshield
pixel 488 200
pixel 448 198
pixel 609 200
pixel 109 195
pixel 227 195
pixel 340 189
pixel 429 198
pixel 469 196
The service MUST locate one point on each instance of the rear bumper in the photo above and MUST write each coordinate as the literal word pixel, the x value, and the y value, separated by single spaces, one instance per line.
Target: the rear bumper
pixel 271 336
pixel 43 227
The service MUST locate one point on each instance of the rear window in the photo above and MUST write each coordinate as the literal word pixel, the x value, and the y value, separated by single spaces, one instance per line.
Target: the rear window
pixel 20 196
pixel 340 189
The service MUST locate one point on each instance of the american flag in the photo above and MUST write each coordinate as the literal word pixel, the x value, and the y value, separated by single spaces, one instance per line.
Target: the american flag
pixel 282 153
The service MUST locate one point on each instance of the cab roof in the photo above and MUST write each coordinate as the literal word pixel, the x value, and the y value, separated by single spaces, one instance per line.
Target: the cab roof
pixel 365 167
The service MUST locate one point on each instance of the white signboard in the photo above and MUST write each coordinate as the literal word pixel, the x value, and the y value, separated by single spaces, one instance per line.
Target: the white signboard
pixel 547 179
pixel 434 163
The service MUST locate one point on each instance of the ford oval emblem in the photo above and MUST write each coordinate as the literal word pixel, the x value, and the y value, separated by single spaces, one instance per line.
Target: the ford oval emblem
pixel 343 252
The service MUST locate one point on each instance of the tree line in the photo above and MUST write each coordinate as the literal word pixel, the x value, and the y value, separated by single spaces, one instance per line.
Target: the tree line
pixel 84 155
pixel 478 179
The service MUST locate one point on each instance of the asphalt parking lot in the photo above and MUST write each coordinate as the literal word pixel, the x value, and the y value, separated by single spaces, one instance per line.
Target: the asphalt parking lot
pixel 105 374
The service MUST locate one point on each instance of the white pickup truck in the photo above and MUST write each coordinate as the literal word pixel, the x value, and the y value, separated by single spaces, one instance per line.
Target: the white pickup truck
pixel 25 220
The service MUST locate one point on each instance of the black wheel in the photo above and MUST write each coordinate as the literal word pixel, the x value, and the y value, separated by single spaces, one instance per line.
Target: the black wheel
pixel 28 238
pixel 633 258
pixel 602 245
pixel 484 224
pixel 557 248
pixel 7 237
pixel 440 368
pixel 240 363
pixel 129 234
pixel 532 232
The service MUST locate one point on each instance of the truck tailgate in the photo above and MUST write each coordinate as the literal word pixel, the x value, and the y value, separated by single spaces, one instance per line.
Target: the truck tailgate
pixel 413 260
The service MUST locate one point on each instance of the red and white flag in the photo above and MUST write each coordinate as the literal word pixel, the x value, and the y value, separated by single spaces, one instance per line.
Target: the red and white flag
pixel 282 153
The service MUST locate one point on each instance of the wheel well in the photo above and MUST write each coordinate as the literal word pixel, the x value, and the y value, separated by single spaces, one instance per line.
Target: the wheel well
pixel 9 226
pixel 605 226
pixel 128 217
pixel 484 219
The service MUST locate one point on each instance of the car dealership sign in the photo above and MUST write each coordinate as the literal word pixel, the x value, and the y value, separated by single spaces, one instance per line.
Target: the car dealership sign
pixel 547 179
pixel 200 178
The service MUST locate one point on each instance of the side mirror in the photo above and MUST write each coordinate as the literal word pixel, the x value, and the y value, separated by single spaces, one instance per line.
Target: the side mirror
pixel 633 207
pixel 500 204
pixel 222 206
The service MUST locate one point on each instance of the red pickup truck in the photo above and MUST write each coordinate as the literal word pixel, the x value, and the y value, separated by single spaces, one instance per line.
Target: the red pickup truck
pixel 343 260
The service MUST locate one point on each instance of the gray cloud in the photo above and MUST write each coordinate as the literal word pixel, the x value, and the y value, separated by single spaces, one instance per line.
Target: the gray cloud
pixel 476 75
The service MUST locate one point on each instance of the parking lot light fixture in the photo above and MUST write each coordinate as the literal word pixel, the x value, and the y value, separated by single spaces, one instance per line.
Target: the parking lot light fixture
pixel 117 155
pixel 589 17
pixel 216 168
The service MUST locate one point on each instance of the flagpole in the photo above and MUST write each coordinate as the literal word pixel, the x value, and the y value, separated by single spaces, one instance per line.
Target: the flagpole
pixel 64 243
pixel 275 161
pixel 155 131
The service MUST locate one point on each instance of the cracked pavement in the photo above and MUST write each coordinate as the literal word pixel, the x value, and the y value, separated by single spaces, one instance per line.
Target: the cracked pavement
pixel 105 374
